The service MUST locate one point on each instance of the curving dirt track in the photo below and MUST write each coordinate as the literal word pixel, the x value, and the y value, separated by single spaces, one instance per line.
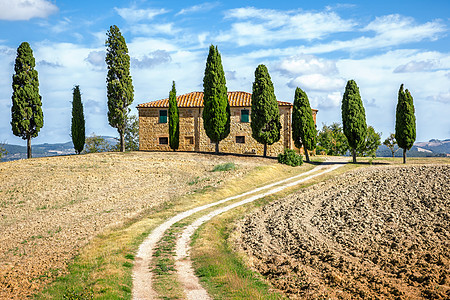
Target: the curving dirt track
pixel 374 233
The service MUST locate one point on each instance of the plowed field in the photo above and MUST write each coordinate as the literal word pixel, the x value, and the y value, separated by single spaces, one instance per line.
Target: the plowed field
pixel 374 233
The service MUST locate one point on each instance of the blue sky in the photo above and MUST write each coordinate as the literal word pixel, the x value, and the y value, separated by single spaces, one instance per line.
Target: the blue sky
pixel 315 45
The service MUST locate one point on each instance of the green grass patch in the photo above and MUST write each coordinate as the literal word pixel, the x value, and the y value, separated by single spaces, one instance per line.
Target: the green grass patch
pixel 224 167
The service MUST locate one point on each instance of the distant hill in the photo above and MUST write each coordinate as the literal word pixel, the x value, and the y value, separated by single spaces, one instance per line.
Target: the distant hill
pixel 42 150
pixel 420 149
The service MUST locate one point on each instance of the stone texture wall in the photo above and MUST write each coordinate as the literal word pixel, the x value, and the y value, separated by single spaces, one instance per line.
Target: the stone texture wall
pixel 193 136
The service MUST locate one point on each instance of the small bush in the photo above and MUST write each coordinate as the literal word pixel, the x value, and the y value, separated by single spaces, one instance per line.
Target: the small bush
pixel 290 158
pixel 224 167
pixel 72 294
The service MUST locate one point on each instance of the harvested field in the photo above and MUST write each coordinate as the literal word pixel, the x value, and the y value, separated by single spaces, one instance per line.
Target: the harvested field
pixel 374 233
pixel 51 207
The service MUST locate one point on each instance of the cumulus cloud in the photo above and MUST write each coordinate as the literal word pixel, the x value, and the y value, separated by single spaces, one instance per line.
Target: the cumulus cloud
pixel 441 97
pixel 96 58
pixel 265 26
pixel 370 102
pixel 332 100
pixel 230 75
pixel 417 66
pixel 154 29
pixel 50 64
pixel 198 8
pixel 317 82
pixel 152 59
pixel 133 14
pixel 306 64
pixel 22 10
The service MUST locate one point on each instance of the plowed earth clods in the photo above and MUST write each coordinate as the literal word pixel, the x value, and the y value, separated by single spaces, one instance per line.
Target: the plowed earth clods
pixel 374 233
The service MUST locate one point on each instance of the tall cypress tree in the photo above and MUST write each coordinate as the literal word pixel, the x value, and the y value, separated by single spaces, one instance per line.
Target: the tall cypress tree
pixel 303 127
pixel 174 121
pixel 27 117
pixel 119 84
pixel 216 111
pixel 405 121
pixel 265 116
pixel 353 117
pixel 78 123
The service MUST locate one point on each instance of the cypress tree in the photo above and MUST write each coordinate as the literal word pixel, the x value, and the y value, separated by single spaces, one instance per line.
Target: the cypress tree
pixel 216 111
pixel 78 122
pixel 303 127
pixel 119 84
pixel 27 117
pixel 174 121
pixel 265 116
pixel 353 117
pixel 405 121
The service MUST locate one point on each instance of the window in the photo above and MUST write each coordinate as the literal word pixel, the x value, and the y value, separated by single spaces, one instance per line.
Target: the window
pixel 164 140
pixel 163 116
pixel 189 140
pixel 245 114
pixel 240 139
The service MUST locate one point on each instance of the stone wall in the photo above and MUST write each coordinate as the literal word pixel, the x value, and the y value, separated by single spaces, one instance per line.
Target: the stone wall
pixel 193 136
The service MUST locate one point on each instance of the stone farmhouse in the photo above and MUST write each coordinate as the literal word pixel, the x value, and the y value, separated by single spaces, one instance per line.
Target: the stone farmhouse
pixel 154 126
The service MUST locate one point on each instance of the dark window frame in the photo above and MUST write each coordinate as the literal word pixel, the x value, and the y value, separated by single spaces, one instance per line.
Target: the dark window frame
pixel 245 117
pixel 163 140
pixel 240 139
pixel 163 114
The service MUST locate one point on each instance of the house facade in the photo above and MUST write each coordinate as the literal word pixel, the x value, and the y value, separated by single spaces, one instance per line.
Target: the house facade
pixel 154 126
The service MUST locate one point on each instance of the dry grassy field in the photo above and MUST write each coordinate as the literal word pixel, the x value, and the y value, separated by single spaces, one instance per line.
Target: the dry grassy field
pixel 51 207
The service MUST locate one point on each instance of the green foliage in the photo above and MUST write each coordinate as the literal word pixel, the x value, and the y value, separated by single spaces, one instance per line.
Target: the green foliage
pixel 331 140
pixel 72 294
pixel 78 123
pixel 132 133
pixel 353 117
pixel 174 120
pixel 27 117
pixel 405 120
pixel 372 142
pixel 216 112
pixel 224 167
pixel 119 84
pixel 303 127
pixel 265 116
pixel 95 144
pixel 2 151
pixel 390 142
pixel 290 158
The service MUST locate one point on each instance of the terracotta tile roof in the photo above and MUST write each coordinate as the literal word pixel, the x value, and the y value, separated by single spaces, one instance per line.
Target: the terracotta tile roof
pixel 195 99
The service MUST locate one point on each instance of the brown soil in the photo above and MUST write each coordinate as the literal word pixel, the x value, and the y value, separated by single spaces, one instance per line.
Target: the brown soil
pixel 51 207
pixel 375 233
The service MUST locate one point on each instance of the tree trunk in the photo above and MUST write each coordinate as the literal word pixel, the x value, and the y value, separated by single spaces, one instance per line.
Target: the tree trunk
pixel 265 150
pixel 217 147
pixel 122 142
pixel 29 146
pixel 306 153
pixel 404 155
pixel 393 154
pixel 354 155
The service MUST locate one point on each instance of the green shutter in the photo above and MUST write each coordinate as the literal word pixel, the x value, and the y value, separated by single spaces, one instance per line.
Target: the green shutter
pixel 163 116
pixel 245 113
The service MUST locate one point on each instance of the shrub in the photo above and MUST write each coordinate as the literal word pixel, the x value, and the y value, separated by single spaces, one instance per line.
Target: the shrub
pixel 290 158
pixel 224 167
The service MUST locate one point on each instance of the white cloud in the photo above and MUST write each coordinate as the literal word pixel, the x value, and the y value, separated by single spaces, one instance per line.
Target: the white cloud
pixel 265 26
pixel 317 82
pixel 154 29
pixel 152 59
pixel 329 101
pixel 198 8
pixel 306 64
pixel 441 97
pixel 97 58
pixel 417 66
pixel 134 15
pixel 19 10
